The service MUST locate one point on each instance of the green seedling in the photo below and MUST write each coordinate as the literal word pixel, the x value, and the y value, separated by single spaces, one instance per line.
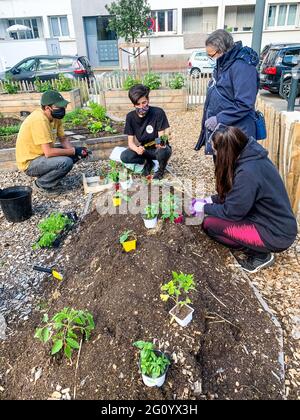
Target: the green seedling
pixel 170 207
pixel 126 236
pixel 151 211
pixel 153 364
pixel 65 330
pixel 178 289
pixel 50 228
pixel 113 174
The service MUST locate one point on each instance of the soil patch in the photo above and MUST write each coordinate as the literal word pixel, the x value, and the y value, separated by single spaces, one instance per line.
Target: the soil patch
pixel 10 140
pixel 84 131
pixel 229 351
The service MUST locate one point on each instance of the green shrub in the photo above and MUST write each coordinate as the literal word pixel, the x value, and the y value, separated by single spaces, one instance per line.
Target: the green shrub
pixel 95 127
pixel 177 82
pixel 9 86
pixel 129 82
pixel 78 117
pixel 152 81
pixel 63 83
pixel 42 87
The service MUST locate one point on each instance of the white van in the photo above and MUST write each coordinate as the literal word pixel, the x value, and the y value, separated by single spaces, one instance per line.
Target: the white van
pixel 199 62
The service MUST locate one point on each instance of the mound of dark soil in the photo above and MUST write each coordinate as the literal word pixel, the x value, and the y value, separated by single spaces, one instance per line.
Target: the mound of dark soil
pixel 229 351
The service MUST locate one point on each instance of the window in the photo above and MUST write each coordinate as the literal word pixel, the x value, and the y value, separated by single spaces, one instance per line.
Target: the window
pixel 164 20
pixel 282 15
pixel 28 65
pixel 30 23
pixel 59 26
pixel 47 64
pixel 65 63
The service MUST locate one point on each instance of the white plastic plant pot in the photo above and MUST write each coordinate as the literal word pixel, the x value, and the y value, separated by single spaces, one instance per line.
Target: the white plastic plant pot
pixel 183 322
pixel 125 185
pixel 151 224
pixel 157 382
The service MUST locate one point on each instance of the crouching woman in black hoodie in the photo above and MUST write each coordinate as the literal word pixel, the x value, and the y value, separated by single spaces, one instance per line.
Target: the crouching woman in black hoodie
pixel 252 211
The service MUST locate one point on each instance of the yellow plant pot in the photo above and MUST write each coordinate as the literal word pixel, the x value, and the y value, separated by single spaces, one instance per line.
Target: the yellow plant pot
pixel 129 245
pixel 117 201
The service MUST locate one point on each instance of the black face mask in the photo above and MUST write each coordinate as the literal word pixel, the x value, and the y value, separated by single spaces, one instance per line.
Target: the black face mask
pixel 58 113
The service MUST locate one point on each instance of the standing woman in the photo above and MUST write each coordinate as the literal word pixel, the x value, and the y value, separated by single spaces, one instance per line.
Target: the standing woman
pixel 252 211
pixel 232 92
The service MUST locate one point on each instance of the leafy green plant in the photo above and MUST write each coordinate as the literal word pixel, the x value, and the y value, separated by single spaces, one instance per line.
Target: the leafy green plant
pixel 181 285
pixel 127 235
pixel 164 138
pixel 95 127
pixel 152 81
pixel 42 86
pixel 9 86
pixel 153 364
pixel 129 82
pixel 65 330
pixel 109 129
pixel 63 83
pixel 170 207
pixel 151 211
pixel 177 82
pixel 50 228
pixel 9 130
pixel 78 117
pixel 113 174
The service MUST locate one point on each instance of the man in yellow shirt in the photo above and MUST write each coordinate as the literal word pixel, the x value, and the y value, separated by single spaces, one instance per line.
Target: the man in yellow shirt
pixel 36 153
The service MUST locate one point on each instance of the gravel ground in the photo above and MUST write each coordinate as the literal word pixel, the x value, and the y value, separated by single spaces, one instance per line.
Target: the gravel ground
pixel 20 286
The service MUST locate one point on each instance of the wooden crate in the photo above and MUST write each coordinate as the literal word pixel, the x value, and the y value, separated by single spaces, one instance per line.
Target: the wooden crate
pixel 169 99
pixel 29 101
pixel 95 184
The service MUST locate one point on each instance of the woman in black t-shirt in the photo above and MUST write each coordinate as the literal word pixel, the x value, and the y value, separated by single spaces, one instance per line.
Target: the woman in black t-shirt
pixel 144 126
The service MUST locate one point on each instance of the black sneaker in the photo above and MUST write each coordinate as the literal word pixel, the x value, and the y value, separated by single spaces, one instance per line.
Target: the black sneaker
pixel 50 192
pixel 253 264
pixel 147 168
pixel 159 175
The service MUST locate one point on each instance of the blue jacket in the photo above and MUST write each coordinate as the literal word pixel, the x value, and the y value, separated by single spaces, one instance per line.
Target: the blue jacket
pixel 258 196
pixel 232 92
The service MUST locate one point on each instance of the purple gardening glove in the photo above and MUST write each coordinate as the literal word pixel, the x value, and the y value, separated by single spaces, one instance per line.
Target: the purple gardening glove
pixel 211 123
pixel 197 207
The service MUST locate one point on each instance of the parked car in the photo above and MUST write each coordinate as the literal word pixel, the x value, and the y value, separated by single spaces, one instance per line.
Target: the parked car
pixel 278 66
pixel 47 67
pixel 200 63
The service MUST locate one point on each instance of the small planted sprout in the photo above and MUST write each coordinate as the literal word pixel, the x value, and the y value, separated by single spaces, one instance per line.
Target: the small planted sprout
pixel 178 290
pixel 151 211
pixel 66 330
pixel 50 228
pixel 154 364
pixel 170 207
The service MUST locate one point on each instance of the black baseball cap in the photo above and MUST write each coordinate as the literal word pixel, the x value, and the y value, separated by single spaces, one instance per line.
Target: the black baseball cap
pixel 52 97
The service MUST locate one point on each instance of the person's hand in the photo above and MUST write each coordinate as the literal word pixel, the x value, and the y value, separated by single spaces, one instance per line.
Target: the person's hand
pixel 211 123
pixel 159 146
pixel 81 152
pixel 140 150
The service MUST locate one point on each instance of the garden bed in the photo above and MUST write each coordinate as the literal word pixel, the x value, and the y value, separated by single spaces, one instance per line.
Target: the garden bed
pixel 8 131
pixel 229 350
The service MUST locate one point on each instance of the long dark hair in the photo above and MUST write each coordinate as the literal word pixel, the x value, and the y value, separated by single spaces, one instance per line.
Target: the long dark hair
pixel 228 143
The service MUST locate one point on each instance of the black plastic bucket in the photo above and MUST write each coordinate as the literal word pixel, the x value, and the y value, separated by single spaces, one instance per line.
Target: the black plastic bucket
pixel 16 203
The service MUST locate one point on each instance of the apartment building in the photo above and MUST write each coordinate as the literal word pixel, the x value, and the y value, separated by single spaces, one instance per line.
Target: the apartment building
pixel 178 27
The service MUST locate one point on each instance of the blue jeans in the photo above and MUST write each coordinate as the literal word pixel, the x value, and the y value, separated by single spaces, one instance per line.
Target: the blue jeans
pixel 49 171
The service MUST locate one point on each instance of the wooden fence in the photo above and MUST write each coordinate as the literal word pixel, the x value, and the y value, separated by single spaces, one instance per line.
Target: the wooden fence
pixel 283 145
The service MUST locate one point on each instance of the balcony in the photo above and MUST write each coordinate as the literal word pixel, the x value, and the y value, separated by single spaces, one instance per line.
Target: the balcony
pixel 199 20
pixel 239 18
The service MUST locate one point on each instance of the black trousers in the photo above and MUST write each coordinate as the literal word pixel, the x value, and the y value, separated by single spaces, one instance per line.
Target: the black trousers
pixel 162 155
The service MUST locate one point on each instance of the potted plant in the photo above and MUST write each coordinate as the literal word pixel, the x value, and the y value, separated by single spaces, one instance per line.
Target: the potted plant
pixel 128 241
pixel 170 208
pixel 181 285
pixel 153 364
pixel 125 180
pixel 151 215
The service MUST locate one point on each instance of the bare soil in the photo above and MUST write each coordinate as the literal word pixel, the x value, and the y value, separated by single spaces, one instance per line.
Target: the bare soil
pixel 229 351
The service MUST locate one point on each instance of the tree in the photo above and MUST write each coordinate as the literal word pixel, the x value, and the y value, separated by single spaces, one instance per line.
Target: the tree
pixel 129 18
